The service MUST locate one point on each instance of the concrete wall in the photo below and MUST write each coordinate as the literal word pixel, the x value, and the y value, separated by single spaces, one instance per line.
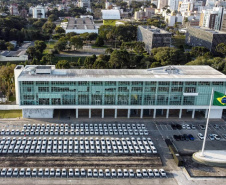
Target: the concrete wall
pixel 38 113
pixel 10 59
pixel 216 114
pixel 10 107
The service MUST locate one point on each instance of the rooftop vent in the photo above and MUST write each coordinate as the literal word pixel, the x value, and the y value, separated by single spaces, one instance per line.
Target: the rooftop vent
pixel 171 70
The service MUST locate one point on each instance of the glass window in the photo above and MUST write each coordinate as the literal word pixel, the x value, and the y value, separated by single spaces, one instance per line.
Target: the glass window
pixel 137 83
pixel 42 83
pixel 164 83
pixel 176 89
pixel 163 89
pixel 137 89
pixel 97 83
pixel 124 83
pixel 43 89
pixel 110 83
pixel 150 83
pixel 190 89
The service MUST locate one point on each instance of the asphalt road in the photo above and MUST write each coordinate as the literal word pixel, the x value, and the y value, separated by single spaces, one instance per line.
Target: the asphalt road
pixel 159 130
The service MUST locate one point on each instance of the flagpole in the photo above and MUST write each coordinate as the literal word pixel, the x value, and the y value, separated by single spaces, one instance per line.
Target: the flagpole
pixel 207 123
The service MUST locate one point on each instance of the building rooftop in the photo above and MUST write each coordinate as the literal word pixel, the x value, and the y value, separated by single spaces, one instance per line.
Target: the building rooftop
pixel 110 14
pixel 80 23
pixel 155 30
pixel 209 30
pixel 166 73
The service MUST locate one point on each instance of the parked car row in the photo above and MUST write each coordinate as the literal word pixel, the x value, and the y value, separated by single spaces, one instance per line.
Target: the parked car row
pixel 76 145
pixel 87 131
pixel 184 137
pixel 210 136
pixel 184 126
pixel 86 126
pixel 107 173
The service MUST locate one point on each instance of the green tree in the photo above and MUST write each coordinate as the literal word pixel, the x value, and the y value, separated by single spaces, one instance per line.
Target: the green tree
pixel 60 45
pixel 40 45
pixel 109 50
pixel 168 56
pixel 7 79
pixel 221 48
pixel 76 41
pixel 119 59
pixel 48 27
pixel 33 53
pixel 62 64
pixel 100 64
pixel 99 41
pixel 52 18
pixel 9 46
pixel 104 30
pixel 59 29
pixel 89 61
pixel 198 51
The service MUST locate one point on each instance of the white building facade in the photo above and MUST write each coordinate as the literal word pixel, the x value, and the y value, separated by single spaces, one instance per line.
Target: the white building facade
pixel 38 12
pixel 40 90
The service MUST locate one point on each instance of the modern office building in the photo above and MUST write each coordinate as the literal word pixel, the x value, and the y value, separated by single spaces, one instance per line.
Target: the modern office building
pixel 173 4
pixel 110 17
pixel 199 36
pixel 212 18
pixel 186 90
pixel 153 37
pixel 80 25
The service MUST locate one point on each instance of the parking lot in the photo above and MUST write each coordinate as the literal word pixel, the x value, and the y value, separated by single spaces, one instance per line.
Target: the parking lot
pixel 100 145
pixel 43 145
pixel 82 173
pixel 190 146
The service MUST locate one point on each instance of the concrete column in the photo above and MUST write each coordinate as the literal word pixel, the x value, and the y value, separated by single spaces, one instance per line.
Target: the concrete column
pixel 154 113
pixel 162 112
pixel 180 113
pixel 89 113
pixel 102 113
pixel 76 113
pixel 128 115
pixel 206 113
pixel 141 113
pixel 116 111
pixel 167 113
pixel 149 111
pixel 193 113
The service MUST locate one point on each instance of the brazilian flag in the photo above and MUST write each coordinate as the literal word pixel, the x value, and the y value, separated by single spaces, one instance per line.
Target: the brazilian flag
pixel 219 99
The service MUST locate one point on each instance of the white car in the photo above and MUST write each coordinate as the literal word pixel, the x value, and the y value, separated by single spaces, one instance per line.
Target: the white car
pixel 162 172
pixel 89 173
pixel 131 173
pixel 150 173
pixel 95 173
pixel 156 173
pixel 77 172
pixel 144 173
pixel 107 173
pixel 200 136
pixel 138 173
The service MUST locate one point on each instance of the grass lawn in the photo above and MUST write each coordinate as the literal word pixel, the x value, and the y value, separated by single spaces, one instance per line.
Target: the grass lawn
pixel 10 113
pixel 49 46
pixel 69 59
